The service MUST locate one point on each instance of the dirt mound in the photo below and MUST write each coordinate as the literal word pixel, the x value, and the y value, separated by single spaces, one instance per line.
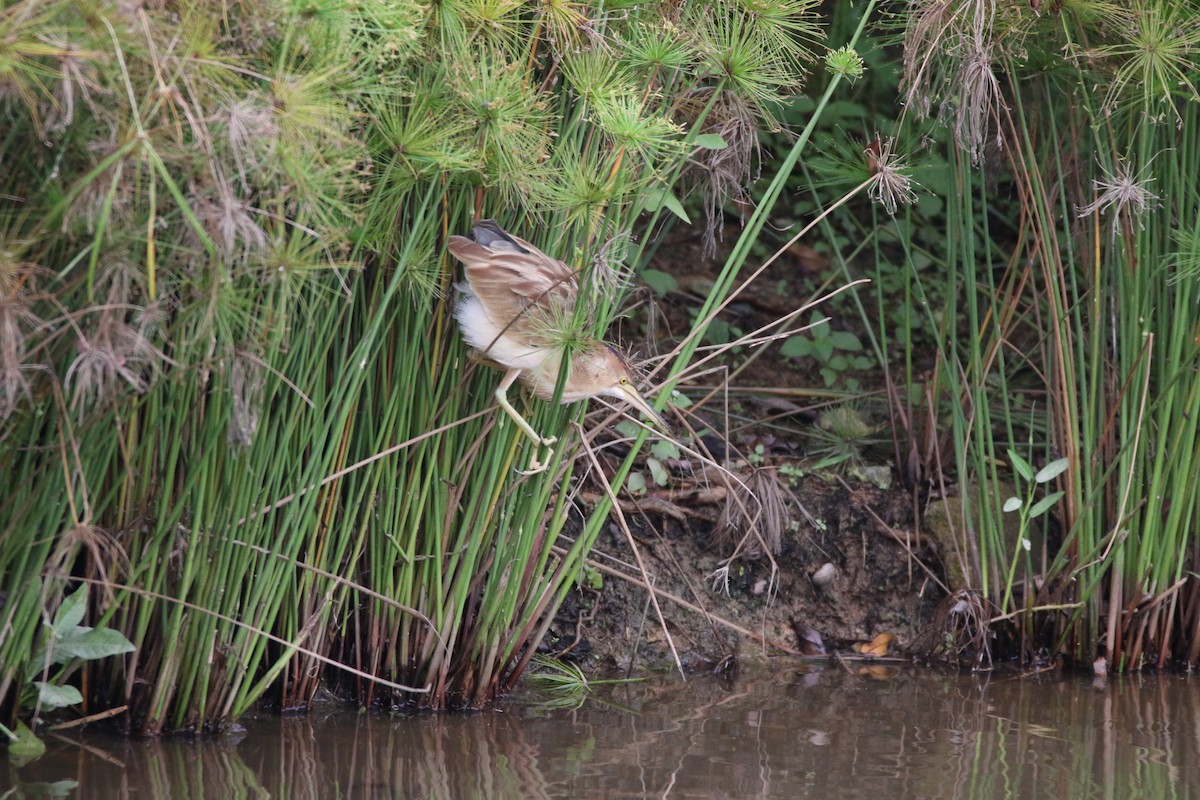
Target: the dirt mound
pixel 847 569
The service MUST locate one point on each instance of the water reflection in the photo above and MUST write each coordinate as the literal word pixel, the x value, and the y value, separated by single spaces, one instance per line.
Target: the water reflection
pixel 831 733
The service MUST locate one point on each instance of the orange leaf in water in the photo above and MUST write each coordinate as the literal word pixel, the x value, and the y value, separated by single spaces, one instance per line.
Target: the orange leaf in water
pixel 878 647
pixel 878 672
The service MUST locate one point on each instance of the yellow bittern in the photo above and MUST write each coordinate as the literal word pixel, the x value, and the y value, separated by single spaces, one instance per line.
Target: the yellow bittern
pixel 512 309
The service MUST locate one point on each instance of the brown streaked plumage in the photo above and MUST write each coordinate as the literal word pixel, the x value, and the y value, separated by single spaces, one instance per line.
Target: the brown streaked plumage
pixel 513 297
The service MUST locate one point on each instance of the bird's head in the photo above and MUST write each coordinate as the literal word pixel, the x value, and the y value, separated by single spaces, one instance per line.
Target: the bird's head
pixel 602 370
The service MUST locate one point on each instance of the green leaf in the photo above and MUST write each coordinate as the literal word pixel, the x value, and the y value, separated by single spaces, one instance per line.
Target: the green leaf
pixel 796 347
pixel 658 197
pixel 593 578
pixel 680 399
pixel 1012 504
pixel 26 747
pixel 711 141
pixel 830 461
pixel 90 644
pixel 628 428
pixel 845 340
pixel 1020 465
pixel 62 788
pixel 658 472
pixel 664 449
pixel 635 483
pixel 71 612
pixel 51 696
pixel 719 332
pixel 1044 504
pixel 822 348
pixel 1052 470
pixel 659 282
pixel 818 326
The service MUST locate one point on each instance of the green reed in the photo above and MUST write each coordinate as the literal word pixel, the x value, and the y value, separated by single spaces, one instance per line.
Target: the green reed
pixel 1073 313
pixel 233 393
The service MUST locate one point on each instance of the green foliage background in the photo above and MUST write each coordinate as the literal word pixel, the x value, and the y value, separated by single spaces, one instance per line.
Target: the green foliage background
pixel 234 402
pixel 232 393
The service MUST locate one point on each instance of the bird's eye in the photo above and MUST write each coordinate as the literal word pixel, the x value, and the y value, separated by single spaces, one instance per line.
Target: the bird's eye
pixel 624 381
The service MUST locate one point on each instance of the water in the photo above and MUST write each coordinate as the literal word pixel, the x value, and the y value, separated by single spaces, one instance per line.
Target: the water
pixel 826 733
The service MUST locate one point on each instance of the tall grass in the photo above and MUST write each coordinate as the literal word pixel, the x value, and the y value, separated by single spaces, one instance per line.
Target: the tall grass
pixel 1071 326
pixel 231 389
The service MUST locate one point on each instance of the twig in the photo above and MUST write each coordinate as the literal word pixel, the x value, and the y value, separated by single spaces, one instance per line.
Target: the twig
pixel 75 723
pixel 637 554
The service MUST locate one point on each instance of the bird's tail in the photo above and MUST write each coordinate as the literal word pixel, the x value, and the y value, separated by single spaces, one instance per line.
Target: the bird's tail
pixel 487 233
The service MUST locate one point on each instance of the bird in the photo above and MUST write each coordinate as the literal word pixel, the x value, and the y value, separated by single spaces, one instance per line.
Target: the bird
pixel 512 309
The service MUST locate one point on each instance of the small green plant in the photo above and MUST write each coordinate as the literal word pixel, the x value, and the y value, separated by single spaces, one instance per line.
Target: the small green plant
pixel 660 453
pixel 1028 509
pixel 661 283
pixel 65 642
pixel 792 473
pixel 836 351
pixel 840 436
pixel 565 682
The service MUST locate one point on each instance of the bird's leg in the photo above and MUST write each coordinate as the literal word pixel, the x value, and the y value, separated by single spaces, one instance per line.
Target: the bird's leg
pixel 502 399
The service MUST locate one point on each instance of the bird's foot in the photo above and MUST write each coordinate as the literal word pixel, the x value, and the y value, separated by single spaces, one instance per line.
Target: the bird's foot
pixel 535 465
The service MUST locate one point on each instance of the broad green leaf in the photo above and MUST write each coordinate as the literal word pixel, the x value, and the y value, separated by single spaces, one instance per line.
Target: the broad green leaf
pixel 1052 470
pixel 664 449
pixel 845 340
pixel 818 326
pixel 71 612
pixel 635 482
pixel 51 696
pixel 659 282
pixel 26 747
pixel 628 428
pixel 680 399
pixel 823 348
pixel 711 141
pixel 796 347
pixel 1020 465
pixel 658 472
pixel 1012 504
pixel 719 332
pixel 90 644
pixel 1043 505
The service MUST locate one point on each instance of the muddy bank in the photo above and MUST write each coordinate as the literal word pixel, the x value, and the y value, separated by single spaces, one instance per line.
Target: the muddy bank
pixel 847 569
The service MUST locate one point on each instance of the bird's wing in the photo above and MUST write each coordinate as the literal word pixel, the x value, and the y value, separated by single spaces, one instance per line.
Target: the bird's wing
pixel 521 288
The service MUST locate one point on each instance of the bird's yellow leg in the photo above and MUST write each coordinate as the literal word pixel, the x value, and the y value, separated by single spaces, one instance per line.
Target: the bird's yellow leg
pixel 502 400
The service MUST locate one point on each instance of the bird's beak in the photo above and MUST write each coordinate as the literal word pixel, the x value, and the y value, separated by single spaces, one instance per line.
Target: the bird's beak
pixel 635 399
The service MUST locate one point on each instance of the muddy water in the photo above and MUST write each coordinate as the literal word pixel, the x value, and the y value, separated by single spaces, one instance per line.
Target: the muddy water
pixel 828 733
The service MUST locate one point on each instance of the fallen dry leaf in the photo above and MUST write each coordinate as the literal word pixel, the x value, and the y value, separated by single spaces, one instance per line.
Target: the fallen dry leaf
pixel 878 648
